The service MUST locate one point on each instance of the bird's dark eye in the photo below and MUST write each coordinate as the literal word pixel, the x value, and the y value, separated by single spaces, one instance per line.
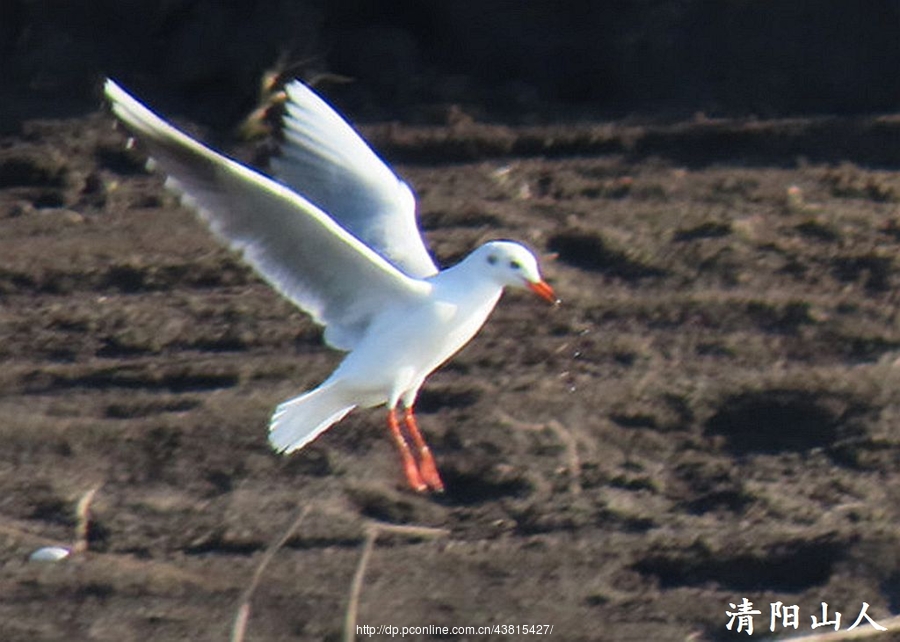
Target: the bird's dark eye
pixel 492 259
pixel 515 265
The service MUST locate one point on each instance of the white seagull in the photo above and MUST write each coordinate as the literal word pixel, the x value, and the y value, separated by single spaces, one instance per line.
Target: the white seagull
pixel 337 235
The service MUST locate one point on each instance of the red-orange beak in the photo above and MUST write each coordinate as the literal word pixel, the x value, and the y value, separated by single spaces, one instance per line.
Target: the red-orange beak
pixel 543 290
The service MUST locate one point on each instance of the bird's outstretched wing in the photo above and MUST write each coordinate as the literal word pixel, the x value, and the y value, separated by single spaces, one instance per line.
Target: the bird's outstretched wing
pixel 325 160
pixel 293 244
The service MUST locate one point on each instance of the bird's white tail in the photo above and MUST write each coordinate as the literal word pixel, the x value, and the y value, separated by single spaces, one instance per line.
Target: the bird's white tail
pixel 298 421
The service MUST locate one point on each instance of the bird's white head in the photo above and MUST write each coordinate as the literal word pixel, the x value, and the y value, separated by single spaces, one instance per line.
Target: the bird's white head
pixel 512 264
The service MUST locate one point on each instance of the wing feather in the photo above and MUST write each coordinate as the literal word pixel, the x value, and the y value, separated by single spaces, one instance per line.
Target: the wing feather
pixel 328 162
pixel 292 244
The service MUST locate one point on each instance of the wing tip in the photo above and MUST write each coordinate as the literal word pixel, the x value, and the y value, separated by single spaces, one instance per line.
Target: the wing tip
pixel 111 88
pixel 118 97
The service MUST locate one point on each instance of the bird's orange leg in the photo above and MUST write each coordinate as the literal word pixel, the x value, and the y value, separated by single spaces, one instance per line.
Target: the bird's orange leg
pixel 427 467
pixel 413 476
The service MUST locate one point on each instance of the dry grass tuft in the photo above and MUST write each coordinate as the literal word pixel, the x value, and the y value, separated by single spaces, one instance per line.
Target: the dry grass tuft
pixel 372 531
pixel 573 461
pixel 83 519
pixel 242 616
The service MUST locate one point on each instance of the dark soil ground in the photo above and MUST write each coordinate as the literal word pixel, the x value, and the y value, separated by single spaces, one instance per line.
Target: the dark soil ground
pixel 711 414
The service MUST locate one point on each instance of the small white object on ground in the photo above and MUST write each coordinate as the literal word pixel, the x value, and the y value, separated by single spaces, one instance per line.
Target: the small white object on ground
pixel 49 554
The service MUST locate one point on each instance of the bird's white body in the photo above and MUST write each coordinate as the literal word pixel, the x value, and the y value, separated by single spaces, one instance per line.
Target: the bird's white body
pixel 391 362
pixel 338 237
pixel 403 345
